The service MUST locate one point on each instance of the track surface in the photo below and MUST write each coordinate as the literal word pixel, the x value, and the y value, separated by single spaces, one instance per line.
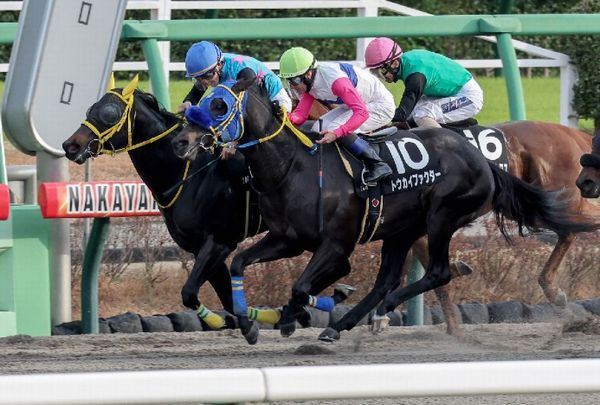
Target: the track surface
pixel 226 349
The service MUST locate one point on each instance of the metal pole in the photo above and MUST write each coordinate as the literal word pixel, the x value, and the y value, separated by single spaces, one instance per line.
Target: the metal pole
pixel 54 169
pixel 516 101
pixel 156 69
pixel 414 306
pixel 89 275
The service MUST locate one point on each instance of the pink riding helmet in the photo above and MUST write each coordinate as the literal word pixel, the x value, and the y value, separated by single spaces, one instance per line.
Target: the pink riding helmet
pixel 380 51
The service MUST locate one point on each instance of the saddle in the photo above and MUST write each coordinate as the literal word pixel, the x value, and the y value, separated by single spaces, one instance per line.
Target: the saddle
pixel 412 168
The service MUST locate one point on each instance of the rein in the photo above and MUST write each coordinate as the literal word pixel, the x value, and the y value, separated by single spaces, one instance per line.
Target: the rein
pixel 106 135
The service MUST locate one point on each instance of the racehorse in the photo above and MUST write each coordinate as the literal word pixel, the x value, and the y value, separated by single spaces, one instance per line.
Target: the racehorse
pixel 206 205
pixel 285 176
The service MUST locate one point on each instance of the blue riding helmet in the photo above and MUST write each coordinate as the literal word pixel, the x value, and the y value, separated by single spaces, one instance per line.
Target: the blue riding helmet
pixel 202 57
pixel 202 116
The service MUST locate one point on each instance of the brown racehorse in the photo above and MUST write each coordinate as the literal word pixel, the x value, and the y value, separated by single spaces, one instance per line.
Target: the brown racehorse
pixel 546 155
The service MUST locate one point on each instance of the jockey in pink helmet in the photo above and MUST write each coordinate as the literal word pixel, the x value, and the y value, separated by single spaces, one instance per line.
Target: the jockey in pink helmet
pixel 437 90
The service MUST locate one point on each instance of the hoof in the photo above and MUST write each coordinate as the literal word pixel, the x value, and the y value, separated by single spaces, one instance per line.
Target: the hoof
pixel 329 335
pixel 380 323
pixel 287 329
pixel 344 290
pixel 252 334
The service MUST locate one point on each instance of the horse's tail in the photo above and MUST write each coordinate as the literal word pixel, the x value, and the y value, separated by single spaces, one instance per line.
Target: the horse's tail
pixel 533 208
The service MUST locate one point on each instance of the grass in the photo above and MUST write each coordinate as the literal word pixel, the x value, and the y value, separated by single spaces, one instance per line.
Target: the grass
pixel 541 98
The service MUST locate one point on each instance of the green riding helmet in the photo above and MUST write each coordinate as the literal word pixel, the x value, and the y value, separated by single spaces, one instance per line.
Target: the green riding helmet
pixel 295 62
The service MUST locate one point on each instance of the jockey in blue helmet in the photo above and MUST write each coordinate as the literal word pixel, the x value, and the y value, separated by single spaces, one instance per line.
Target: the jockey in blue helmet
pixel 205 63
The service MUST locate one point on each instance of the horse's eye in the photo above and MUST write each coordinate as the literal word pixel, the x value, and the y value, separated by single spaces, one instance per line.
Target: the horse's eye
pixel 110 114
pixel 218 107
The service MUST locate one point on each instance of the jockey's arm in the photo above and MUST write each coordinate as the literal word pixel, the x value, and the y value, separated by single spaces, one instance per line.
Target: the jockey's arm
pixel 344 89
pixel 413 90
pixel 302 110
pixel 195 94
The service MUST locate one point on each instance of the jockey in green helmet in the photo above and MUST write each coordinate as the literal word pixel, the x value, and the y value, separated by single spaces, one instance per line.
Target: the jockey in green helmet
pixel 365 103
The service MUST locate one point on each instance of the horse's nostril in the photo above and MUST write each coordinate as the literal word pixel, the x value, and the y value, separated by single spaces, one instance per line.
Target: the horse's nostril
pixel 71 148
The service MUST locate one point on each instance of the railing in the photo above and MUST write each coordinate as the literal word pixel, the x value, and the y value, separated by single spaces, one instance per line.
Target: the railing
pixel 305 383
pixel 162 10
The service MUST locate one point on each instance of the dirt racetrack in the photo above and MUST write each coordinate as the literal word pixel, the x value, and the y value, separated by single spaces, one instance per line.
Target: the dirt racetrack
pixel 227 349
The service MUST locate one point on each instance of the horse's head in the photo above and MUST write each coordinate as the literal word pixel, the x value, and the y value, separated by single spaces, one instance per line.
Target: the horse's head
pixel 105 121
pixel 588 180
pixel 221 117
pixel 110 128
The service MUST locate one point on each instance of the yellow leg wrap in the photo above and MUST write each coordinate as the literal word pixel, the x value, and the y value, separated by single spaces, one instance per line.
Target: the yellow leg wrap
pixel 269 316
pixel 214 321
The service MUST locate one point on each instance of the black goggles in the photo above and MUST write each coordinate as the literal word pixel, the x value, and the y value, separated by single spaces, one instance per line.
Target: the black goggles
pixel 207 75
pixel 296 80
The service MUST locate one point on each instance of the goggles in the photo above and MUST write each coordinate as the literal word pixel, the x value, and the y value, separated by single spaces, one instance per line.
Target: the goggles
pixel 207 75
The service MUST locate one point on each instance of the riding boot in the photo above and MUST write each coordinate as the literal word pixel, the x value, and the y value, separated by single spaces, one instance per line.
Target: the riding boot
pixel 376 169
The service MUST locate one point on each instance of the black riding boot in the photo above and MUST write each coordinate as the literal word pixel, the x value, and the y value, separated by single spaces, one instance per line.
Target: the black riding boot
pixel 377 169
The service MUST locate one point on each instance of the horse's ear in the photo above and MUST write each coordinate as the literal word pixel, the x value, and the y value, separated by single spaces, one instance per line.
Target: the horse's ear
pixel 243 84
pixel 129 89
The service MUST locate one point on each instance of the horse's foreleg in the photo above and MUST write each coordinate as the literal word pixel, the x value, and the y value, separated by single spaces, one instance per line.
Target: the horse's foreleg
pixel 548 276
pixel 420 249
pixel 208 261
pixel 267 249
pixel 393 255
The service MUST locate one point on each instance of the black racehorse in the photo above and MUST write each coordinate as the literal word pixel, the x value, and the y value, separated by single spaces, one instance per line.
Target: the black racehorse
pixel 208 214
pixel 286 178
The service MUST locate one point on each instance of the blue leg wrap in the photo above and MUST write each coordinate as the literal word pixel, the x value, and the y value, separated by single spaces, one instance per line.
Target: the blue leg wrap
pixel 239 298
pixel 322 303
pixel 358 146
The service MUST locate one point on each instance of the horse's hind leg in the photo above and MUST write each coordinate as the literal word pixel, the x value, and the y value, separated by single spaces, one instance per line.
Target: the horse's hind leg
pixel 420 249
pixel 441 225
pixel 318 274
pixel 548 276
pixel 393 255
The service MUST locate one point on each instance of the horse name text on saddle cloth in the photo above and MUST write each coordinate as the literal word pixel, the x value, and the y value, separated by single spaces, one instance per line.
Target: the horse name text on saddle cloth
pixel 410 161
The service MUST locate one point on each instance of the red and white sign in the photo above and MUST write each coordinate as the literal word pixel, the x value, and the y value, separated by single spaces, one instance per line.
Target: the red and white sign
pixel 96 199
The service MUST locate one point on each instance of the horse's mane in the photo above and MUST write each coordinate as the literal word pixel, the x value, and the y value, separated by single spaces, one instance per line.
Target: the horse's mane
pixel 151 101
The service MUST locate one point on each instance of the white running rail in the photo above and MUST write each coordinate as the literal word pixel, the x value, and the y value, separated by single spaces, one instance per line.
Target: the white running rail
pixel 304 383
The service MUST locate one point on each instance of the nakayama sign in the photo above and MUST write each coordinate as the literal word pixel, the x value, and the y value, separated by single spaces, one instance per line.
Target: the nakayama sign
pixel 96 199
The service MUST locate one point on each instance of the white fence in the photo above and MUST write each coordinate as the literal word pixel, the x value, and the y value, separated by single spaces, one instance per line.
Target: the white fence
pixel 304 383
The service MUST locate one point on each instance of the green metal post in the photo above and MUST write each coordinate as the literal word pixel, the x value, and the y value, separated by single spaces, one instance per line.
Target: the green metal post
pixel 414 306
pixel 31 272
pixel 158 78
pixel 89 275
pixel 512 76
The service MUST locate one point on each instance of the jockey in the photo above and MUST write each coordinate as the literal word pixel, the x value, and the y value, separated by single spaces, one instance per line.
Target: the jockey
pixel 205 63
pixel 365 104
pixel 437 91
